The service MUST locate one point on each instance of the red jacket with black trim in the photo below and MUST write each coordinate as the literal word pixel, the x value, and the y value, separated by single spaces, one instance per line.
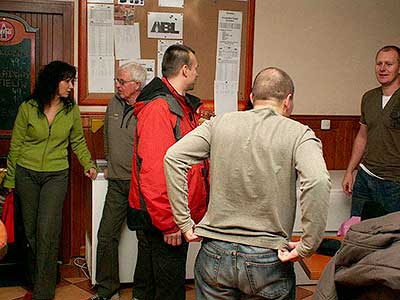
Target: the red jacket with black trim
pixel 154 135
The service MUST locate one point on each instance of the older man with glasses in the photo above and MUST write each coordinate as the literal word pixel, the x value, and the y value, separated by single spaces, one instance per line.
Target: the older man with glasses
pixel 119 127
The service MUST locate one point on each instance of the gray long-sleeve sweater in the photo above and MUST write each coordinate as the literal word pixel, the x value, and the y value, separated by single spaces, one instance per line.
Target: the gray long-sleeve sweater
pixel 255 159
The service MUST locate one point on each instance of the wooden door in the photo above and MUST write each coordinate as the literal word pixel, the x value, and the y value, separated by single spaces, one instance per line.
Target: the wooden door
pixel 55 21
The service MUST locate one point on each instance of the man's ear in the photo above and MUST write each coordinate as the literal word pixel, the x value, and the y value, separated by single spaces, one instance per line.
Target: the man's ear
pixel 288 105
pixel 252 98
pixel 185 70
pixel 289 98
pixel 137 86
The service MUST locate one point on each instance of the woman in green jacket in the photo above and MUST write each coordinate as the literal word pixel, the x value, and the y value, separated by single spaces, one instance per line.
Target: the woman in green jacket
pixel 37 167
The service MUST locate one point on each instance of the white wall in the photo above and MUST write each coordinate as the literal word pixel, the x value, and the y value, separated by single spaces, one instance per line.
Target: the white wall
pixel 328 47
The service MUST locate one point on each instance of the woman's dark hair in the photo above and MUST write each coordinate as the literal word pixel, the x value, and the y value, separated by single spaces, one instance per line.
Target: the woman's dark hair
pixel 46 87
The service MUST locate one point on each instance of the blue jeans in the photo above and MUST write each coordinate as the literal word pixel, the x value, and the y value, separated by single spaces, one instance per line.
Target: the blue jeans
pixel 369 188
pixel 225 270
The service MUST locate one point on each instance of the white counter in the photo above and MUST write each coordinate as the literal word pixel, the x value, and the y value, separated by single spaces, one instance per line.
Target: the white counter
pixel 339 205
pixel 339 211
pixel 128 242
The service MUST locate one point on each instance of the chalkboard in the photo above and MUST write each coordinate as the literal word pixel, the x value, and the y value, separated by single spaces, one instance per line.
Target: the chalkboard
pixel 18 66
pixel 15 80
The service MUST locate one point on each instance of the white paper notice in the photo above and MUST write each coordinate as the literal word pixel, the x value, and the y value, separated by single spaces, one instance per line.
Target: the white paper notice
pixel 127 41
pixel 171 3
pixel 100 29
pixel 101 74
pixel 101 1
pixel 164 25
pixel 162 46
pixel 131 2
pixel 225 97
pixel 228 47
pixel 148 64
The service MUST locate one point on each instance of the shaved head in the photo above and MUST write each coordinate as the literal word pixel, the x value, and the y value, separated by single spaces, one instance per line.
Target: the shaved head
pixel 272 84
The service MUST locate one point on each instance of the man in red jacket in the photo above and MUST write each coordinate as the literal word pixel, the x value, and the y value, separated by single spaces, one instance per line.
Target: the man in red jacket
pixel 165 112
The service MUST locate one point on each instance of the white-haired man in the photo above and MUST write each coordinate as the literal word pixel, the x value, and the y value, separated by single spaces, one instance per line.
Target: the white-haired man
pixel 119 128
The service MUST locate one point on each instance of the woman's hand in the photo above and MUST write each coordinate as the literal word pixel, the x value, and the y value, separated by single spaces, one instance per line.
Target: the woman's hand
pixel 92 173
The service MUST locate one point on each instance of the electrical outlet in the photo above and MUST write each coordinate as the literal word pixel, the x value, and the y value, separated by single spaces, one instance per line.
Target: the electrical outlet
pixel 325 124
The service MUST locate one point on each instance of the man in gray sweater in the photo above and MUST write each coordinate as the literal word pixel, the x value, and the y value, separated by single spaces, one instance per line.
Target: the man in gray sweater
pixel 119 128
pixel 256 157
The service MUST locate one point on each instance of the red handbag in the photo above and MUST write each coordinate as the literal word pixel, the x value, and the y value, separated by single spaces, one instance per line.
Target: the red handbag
pixel 7 216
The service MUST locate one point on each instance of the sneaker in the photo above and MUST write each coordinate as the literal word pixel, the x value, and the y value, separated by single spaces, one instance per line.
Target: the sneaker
pixel 96 297
pixel 113 297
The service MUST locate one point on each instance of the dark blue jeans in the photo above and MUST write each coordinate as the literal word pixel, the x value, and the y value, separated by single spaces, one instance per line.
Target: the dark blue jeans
pixel 230 271
pixel 369 188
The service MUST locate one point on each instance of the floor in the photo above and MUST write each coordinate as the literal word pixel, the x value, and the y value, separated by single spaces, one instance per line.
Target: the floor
pixel 75 286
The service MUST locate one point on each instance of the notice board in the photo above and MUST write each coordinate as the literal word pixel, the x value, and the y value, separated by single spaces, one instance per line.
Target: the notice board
pixel 200 28
pixel 18 65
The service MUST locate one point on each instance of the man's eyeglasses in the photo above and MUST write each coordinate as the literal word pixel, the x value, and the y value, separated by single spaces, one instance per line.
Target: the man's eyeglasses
pixel 121 81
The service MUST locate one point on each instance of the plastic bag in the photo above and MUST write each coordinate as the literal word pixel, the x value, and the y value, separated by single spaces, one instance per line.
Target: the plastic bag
pixel 7 217
pixel 345 226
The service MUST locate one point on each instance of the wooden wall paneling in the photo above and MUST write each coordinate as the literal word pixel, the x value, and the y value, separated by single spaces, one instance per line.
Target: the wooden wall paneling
pixel 345 140
pixel 68 32
pixel 81 185
pixel 95 137
pixel 98 143
pixel 35 18
pixel 337 142
pixel 74 208
pixel 57 38
pixel 4 148
pixel 328 146
pixel 45 24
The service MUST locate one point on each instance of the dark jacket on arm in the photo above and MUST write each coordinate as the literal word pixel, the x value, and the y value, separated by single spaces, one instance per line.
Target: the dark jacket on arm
pixel 367 266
